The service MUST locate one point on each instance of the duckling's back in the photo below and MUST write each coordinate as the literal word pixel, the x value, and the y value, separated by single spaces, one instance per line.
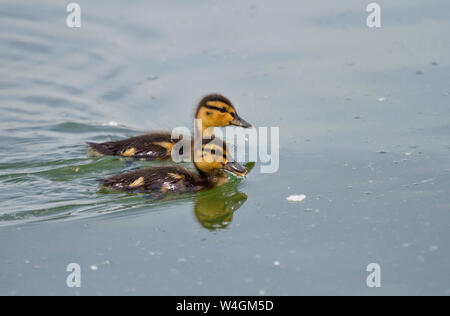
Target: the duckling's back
pixel 148 146
pixel 155 180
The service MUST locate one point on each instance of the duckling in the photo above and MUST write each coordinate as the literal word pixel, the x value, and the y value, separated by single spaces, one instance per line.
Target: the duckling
pixel 211 163
pixel 214 110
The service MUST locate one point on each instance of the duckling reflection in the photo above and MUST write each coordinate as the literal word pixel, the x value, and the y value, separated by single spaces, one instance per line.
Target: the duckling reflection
pixel 215 211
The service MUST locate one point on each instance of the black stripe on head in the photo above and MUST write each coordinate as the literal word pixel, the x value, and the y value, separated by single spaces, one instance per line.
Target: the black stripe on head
pixel 213 97
pixel 215 145
pixel 212 107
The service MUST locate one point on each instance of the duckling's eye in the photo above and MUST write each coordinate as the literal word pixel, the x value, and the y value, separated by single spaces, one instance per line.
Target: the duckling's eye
pixel 223 110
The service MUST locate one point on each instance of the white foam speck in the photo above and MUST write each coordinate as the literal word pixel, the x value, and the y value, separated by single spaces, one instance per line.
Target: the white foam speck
pixel 94 267
pixel 111 123
pixel 296 198
pixel 434 248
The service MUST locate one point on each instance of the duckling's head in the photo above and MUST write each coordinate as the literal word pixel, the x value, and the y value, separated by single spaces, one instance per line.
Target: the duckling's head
pixel 217 110
pixel 215 157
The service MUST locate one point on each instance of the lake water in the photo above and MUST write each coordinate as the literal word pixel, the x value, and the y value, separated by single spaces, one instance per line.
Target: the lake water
pixel 364 134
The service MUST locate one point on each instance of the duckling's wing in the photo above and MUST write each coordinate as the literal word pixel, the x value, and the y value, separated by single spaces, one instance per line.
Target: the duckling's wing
pixel 156 179
pixel 148 146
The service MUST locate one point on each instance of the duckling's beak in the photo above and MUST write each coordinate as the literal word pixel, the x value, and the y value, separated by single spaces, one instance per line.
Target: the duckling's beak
pixel 235 168
pixel 238 121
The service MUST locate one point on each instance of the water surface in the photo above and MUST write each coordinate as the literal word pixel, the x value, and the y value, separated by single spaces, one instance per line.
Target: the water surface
pixel 364 134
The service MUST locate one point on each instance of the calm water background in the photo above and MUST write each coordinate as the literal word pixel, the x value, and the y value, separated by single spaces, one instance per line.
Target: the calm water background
pixel 364 127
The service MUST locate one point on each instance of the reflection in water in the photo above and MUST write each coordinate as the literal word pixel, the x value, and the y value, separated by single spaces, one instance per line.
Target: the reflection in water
pixel 215 211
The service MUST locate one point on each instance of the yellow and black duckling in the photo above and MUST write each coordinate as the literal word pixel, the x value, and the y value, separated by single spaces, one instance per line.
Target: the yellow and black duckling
pixel 211 163
pixel 214 110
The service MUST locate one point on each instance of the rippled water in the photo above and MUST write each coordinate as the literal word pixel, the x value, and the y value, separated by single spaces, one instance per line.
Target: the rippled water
pixel 364 133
